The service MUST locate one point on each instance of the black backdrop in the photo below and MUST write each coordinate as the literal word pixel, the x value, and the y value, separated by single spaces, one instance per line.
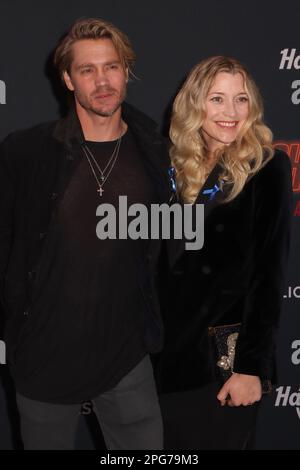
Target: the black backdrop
pixel 169 37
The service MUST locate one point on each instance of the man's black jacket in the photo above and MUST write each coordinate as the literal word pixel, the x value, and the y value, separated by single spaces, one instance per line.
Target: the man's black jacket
pixel 36 166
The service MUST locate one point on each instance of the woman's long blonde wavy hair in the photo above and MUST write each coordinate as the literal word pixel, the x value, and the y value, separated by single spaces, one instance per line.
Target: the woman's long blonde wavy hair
pixel 239 160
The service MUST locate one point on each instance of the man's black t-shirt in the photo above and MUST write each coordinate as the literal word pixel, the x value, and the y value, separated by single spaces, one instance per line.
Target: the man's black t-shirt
pixel 85 329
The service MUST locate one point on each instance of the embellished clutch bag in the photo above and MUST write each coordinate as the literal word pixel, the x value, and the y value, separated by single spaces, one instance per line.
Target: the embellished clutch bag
pixel 224 340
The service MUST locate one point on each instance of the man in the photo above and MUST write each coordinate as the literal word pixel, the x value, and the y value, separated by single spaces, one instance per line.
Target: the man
pixel 82 313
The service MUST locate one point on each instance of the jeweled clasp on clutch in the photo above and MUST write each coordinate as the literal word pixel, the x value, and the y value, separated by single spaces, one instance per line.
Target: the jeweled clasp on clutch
pixel 226 362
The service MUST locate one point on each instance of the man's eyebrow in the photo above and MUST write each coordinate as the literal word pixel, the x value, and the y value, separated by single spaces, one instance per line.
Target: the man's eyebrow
pixel 90 64
pixel 87 64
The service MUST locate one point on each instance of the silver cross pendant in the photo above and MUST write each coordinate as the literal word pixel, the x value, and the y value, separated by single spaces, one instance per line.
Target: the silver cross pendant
pixel 100 191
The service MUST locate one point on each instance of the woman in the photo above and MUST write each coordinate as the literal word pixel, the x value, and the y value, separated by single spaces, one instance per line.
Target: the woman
pixel 223 157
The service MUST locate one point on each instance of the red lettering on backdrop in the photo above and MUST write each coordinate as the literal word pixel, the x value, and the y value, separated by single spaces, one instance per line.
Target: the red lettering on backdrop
pixel 297 210
pixel 292 148
pixel 293 151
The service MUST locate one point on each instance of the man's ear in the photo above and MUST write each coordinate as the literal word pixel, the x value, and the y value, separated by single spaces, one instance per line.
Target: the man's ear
pixel 68 81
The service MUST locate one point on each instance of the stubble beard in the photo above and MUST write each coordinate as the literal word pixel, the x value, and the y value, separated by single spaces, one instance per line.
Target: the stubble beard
pixel 100 111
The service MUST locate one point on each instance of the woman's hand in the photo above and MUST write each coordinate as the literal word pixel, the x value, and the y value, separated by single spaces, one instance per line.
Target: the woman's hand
pixel 242 390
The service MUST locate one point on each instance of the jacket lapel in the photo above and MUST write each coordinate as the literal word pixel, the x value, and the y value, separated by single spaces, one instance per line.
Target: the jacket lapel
pixel 69 133
pixel 153 149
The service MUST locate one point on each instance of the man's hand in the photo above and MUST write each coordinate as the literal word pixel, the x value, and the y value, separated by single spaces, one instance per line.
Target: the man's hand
pixel 242 390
